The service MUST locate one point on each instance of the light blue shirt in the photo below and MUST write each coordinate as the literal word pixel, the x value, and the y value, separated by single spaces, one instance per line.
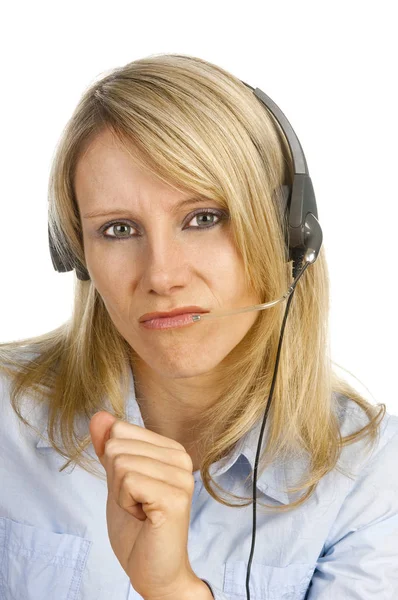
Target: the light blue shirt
pixel 342 544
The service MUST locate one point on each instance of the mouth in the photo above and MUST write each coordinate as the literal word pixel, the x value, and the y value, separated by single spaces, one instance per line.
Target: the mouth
pixel 175 322
pixel 176 312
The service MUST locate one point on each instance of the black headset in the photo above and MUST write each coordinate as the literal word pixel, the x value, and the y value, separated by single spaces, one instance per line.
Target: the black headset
pixel 303 237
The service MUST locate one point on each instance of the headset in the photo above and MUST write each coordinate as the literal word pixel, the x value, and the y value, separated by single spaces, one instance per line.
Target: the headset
pixel 303 239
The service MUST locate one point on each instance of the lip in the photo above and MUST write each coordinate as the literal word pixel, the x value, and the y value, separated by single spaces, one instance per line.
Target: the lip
pixel 176 311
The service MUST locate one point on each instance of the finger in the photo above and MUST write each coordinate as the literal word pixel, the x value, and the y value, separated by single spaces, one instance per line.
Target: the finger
pixel 171 456
pixel 100 428
pixel 124 464
pixel 160 501
pixel 116 447
pixel 122 429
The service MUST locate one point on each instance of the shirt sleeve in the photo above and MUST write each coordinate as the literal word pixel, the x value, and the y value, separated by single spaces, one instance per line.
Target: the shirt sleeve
pixel 360 557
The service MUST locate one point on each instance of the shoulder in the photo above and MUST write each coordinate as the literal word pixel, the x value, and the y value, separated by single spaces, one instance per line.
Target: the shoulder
pixel 359 553
pixel 6 382
pixel 13 431
pixel 373 462
pixel 366 491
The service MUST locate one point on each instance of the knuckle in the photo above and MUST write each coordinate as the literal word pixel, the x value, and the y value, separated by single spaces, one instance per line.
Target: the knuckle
pixel 118 463
pixel 110 446
pixel 190 484
pixel 117 429
pixel 184 460
pixel 183 498
pixel 179 446
pixel 187 461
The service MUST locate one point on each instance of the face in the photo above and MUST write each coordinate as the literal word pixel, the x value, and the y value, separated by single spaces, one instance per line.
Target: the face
pixel 154 255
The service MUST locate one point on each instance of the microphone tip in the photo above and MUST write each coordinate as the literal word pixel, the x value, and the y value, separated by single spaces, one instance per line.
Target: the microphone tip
pixel 310 256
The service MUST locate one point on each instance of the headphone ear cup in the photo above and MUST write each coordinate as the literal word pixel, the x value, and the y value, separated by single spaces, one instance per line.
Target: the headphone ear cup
pixel 295 255
pixel 81 272
pixel 60 264
pixel 67 262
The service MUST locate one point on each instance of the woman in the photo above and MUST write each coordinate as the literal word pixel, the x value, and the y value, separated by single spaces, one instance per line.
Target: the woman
pixel 171 409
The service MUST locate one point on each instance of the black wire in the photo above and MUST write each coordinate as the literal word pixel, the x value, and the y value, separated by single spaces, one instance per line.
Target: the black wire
pixel 261 435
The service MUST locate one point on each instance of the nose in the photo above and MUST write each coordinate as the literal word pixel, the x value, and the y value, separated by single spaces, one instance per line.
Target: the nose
pixel 165 262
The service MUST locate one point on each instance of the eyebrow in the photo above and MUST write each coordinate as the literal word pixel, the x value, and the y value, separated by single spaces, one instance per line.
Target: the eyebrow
pixel 123 211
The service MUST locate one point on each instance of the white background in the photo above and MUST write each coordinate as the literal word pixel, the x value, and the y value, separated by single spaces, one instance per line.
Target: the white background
pixel 330 66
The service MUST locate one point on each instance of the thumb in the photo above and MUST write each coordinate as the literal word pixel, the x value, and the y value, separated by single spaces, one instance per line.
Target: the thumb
pixel 100 431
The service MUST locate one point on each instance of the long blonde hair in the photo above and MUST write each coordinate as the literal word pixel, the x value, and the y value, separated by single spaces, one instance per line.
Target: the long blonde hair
pixel 197 128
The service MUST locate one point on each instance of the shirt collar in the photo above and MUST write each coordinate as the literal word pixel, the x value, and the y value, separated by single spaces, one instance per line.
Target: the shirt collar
pixel 276 477
pixel 273 481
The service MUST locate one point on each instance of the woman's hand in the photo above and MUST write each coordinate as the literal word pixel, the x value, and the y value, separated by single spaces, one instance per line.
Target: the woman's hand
pixel 150 488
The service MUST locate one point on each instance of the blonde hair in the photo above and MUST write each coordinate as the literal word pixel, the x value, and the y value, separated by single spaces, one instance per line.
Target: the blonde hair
pixel 197 128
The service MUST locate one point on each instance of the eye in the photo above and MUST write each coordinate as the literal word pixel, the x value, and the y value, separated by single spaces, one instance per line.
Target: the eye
pixel 113 226
pixel 208 213
pixel 126 225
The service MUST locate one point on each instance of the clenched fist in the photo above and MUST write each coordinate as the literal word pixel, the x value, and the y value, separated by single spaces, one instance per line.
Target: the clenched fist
pixel 150 488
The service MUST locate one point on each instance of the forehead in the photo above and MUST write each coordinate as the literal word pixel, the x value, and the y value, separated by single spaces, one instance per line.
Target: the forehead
pixel 103 158
pixel 106 174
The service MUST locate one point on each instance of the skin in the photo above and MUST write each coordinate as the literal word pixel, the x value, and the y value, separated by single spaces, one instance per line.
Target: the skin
pixel 150 488
pixel 169 263
pixel 150 470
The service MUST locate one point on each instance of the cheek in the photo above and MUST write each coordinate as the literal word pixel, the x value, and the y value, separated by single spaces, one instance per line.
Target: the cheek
pixel 108 270
pixel 229 277
pixel 115 291
pixel 217 277
pixel 106 262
